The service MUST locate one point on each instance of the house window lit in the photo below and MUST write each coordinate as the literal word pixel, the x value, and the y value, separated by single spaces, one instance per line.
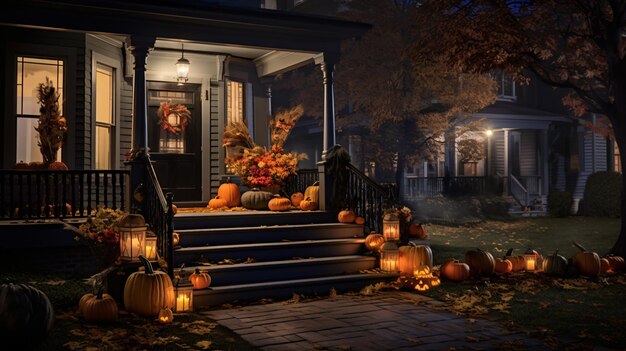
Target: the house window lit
pixel 104 111
pixel 30 73
pixel 234 102
pixel 506 86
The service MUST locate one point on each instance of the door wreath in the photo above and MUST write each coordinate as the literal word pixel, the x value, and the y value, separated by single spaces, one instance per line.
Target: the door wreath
pixel 173 117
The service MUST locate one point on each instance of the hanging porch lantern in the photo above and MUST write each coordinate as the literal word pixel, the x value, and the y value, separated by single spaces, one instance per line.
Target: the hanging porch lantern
pixel 182 67
pixel 391 227
pixel 132 229
pixel 183 291
pixel 151 246
pixel 389 257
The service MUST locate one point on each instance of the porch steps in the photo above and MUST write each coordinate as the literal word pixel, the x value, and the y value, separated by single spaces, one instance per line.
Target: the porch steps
pixel 275 254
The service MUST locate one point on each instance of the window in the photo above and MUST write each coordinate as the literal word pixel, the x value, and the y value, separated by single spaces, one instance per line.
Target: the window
pixel 617 164
pixel 104 118
pixel 506 86
pixel 30 73
pixel 234 102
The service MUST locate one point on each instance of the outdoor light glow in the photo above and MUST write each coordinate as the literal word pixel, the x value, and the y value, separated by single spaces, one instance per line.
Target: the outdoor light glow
pixel 391 228
pixel 182 68
pixel 489 132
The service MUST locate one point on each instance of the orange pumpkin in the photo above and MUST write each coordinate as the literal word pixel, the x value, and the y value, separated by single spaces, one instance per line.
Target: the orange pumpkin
pixel 412 257
pixel 175 239
pixel 605 266
pixel 58 166
pixel 587 262
pixel 22 165
pixel 417 231
pixel 617 263
pixel 346 216
pixel 230 192
pixel 279 204
pixel 455 271
pixel 480 262
pixel 313 192
pixel 374 241
pixel 296 198
pixel 200 280
pixel 308 205
pixel 174 209
pixel 217 203
pixel 98 308
pixel 503 265
pixel 359 220
pixel 518 262
pixel 166 316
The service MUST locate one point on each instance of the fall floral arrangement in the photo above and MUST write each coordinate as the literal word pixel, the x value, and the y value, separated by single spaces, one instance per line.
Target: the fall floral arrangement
pixel 101 234
pixel 52 127
pixel 257 166
pixel 173 117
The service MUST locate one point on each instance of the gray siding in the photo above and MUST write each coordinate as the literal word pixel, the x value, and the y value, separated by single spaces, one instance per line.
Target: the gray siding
pixel 499 157
pixel 528 153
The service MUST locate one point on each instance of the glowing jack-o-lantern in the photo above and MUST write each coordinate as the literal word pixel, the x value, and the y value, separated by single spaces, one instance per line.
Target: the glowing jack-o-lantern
pixel 166 316
pixel 425 279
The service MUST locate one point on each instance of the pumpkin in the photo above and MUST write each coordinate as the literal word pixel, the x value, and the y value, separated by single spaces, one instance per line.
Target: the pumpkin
pixel 308 205
pixel 503 265
pixel 36 165
pixel 279 203
pixel 346 216
pixel 58 166
pixel 175 239
pixel 374 241
pixel 174 209
pixel 413 257
pixel 166 316
pixel 217 203
pixel 147 292
pixel 26 316
pixel 98 308
pixel 555 264
pixel 200 280
pixel 359 220
pixel 616 262
pixel 255 199
pixel 587 262
pixel 296 198
pixel 417 231
pixel 455 270
pixel 605 266
pixel 518 261
pixel 313 192
pixel 21 165
pixel 480 262
pixel 230 193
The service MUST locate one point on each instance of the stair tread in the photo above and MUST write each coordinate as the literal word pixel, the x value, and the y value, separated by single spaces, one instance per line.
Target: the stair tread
pixel 187 215
pixel 279 283
pixel 276 227
pixel 270 244
pixel 264 264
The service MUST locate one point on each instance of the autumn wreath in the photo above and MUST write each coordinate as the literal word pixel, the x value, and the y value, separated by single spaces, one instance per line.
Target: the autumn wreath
pixel 173 117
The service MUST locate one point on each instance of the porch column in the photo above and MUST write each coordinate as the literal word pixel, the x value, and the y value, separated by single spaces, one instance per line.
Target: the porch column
pixel 140 48
pixel 545 167
pixel 328 67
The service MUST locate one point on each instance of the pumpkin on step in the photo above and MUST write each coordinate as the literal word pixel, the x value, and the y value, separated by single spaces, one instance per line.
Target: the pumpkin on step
pixel 175 239
pixel 217 203
pixel 100 307
pixel 155 284
pixel 230 192
pixel 346 216
pixel 312 192
pixel 359 220
pixel 455 271
pixel 587 262
pixel 518 261
pixel 374 241
pixel 200 280
pixel 308 205
pixel 503 265
pixel 256 199
pixel 413 257
pixel 296 198
pixel 480 262
pixel 279 203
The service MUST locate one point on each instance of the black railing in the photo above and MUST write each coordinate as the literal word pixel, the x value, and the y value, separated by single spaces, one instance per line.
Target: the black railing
pixel 37 194
pixel 159 215
pixel 301 181
pixel 367 198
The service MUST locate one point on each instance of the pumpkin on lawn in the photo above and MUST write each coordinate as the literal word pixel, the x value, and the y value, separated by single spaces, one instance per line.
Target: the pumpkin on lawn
pixel 414 257
pixel 296 198
pixel 26 316
pixel 100 307
pixel 308 205
pixel 312 192
pixel 217 203
pixel 480 262
pixel 200 280
pixel 605 266
pixel 147 292
pixel 587 262
pixel 346 216
pixel 279 203
pixel 417 231
pixel 230 192
pixel 256 199
pixel 374 241
pixel 166 316
pixel 518 261
pixel 503 265
pixel 555 264
pixel 455 271
pixel 616 262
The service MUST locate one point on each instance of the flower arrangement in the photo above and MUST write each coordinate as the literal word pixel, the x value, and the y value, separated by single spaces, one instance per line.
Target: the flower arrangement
pixel 52 127
pixel 404 214
pixel 173 117
pixel 101 234
pixel 257 166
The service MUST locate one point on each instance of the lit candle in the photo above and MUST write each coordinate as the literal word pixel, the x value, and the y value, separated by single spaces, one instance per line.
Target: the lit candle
pixel 182 303
pixel 531 264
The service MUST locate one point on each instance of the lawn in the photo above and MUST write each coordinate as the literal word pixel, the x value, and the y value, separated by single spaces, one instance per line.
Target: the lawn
pixel 588 310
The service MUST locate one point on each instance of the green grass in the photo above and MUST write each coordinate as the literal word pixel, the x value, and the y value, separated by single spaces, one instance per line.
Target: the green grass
pixel 588 310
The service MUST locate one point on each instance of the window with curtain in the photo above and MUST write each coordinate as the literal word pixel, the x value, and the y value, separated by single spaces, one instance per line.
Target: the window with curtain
pixel 104 115
pixel 506 86
pixel 31 72
pixel 235 102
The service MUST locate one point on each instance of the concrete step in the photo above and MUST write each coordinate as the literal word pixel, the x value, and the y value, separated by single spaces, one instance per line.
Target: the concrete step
pixel 248 273
pixel 215 296
pixel 273 251
pixel 250 219
pixel 266 234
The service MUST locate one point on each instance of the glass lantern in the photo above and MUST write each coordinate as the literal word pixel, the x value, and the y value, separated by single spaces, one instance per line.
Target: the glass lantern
pixel 132 229
pixel 389 257
pixel 531 262
pixel 183 291
pixel 391 228
pixel 151 246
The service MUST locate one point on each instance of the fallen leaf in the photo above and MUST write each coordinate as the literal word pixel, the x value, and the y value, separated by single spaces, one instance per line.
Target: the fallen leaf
pixel 204 344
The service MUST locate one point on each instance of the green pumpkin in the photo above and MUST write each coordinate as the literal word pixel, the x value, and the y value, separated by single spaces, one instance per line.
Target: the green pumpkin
pixel 256 199
pixel 555 264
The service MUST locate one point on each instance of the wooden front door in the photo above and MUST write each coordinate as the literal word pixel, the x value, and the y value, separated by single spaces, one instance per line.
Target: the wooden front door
pixel 177 156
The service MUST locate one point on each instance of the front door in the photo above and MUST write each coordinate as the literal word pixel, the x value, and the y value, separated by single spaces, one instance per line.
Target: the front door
pixel 176 152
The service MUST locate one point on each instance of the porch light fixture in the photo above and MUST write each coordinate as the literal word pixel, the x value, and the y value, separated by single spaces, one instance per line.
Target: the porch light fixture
pixel 489 132
pixel 182 67
pixel 151 246
pixel 132 229
pixel 183 291
pixel 389 257
pixel 391 227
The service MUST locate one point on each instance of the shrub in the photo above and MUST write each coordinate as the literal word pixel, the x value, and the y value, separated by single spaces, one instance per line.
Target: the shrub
pixel 602 196
pixel 559 203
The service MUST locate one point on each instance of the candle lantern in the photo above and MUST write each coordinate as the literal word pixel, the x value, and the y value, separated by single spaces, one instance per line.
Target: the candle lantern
pixel 151 246
pixel 183 291
pixel 132 229
pixel 531 259
pixel 391 227
pixel 389 257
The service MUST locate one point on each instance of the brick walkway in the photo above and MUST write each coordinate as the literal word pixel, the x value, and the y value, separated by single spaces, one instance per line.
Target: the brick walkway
pixel 386 321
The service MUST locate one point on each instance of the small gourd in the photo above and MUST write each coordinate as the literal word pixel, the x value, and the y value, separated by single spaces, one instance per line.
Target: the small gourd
pixel 200 280
pixel 308 205
pixel 217 203
pixel 346 216
pixel 279 204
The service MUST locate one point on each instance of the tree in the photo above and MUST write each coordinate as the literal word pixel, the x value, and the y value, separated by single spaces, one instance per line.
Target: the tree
pixel 406 107
pixel 575 44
